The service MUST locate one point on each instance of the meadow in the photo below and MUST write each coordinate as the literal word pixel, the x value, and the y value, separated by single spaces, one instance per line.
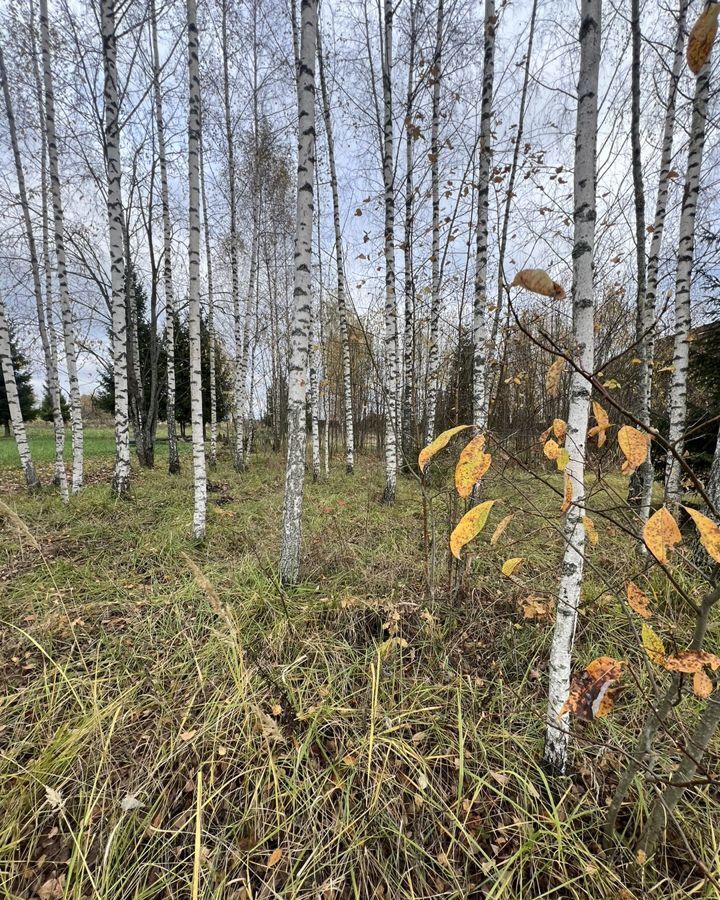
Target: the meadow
pixel 175 723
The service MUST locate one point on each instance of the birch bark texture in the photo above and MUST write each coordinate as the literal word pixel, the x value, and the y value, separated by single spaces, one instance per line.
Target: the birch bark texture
pixel 683 281
pixel 556 741
pixel 13 402
pixel 340 269
pixel 302 307
pixel 433 374
pixel 196 410
pixel 68 324
pixel 51 372
pixel 173 455
pixel 212 341
pixel 391 373
pixel 480 312
pixel 121 475
pixel 647 326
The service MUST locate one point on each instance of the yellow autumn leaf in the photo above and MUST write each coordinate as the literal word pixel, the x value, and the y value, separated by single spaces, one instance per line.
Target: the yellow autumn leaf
pixel 472 464
pixel 603 423
pixel 702 685
pixel 562 459
pixel 509 566
pixel 500 527
pixel 552 379
pixel 551 449
pixel 471 524
pixel 567 498
pixel 635 445
pixel 653 644
pixel 702 37
pixel 709 532
pixel 637 601
pixel 539 282
pixel 559 428
pixel 274 857
pixel 661 533
pixel 590 530
pixel 442 440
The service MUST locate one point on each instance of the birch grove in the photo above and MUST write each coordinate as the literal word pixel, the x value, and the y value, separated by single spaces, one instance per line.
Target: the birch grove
pixel 396 437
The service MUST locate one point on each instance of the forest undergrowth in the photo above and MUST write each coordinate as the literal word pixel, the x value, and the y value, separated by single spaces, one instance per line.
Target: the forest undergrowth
pixel 176 724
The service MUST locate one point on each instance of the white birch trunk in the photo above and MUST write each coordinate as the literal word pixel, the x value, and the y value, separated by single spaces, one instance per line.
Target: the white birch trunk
pixel 390 301
pixel 173 455
pixel 556 742
pixel 436 73
pixel 68 324
pixel 300 333
pixel 49 356
pixel 314 401
pixel 408 393
pixel 683 279
pixel 196 410
pixel 121 477
pixel 647 325
pixel 340 264
pixel 13 402
pixel 480 301
pixel 211 311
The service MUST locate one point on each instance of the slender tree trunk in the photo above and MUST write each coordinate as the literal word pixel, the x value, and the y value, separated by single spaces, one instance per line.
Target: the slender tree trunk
pixel 408 394
pixel 435 74
pixel 300 333
pixel 196 410
pixel 340 265
pixel 50 357
pixel 134 375
pixel 480 312
pixel 314 401
pixel 509 196
pixel 173 455
pixel 13 403
pixel 390 301
pixel 59 233
pixel 556 743
pixel 121 477
pixel 646 326
pixel 211 312
pixel 683 278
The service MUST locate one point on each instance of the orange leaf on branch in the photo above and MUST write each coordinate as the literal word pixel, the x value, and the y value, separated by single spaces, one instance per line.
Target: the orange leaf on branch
pixel 441 441
pixel 552 379
pixel 702 38
pixel 709 532
pixel 702 685
pixel 471 524
pixel 539 282
pixel 472 464
pixel 637 601
pixel 690 661
pixel 502 525
pixel 635 445
pixel 603 423
pixel 661 534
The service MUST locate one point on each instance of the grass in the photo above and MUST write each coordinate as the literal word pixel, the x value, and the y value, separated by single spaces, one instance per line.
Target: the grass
pixel 175 724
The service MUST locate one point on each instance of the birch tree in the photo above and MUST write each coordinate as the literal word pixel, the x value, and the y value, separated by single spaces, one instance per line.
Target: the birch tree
pixel 340 269
pixel 121 477
pixel 198 440
pixel 480 323
pixel 683 280
pixel 391 374
pixel 50 357
pixel 435 74
pixel 302 312
pixel 13 402
pixel 68 324
pixel 211 308
pixel 556 742
pixel 173 455
pixel 647 313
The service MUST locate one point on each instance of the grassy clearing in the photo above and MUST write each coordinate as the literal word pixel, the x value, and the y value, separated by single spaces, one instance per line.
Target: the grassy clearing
pixel 177 725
